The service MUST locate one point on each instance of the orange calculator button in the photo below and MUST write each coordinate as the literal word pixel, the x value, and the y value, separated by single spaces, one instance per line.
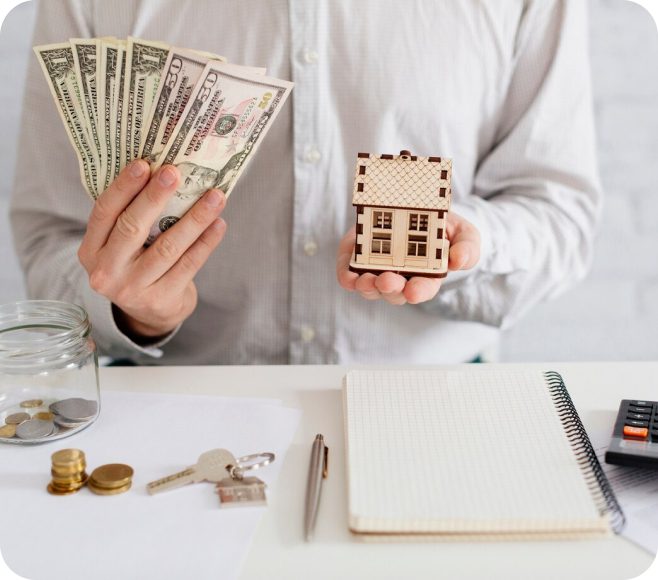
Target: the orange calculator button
pixel 640 432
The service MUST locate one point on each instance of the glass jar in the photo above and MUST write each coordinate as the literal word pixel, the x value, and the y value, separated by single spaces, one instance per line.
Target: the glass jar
pixel 48 371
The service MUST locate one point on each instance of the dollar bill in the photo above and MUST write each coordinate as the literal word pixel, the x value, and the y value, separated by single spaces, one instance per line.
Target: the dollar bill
pixel 224 122
pixel 87 62
pixel 145 61
pixel 109 58
pixel 118 159
pixel 120 100
pixel 181 73
pixel 58 66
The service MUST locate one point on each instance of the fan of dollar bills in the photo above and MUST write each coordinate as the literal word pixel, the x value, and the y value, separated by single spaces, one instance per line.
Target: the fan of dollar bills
pixel 122 100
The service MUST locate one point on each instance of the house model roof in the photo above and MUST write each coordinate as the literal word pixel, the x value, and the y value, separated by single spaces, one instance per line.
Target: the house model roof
pixel 403 181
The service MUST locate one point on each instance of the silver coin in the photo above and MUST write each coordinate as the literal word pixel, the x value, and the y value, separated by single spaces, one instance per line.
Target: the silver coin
pixel 65 423
pixel 75 409
pixel 35 429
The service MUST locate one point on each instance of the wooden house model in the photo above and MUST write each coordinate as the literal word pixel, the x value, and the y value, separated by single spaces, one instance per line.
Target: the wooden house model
pixel 402 203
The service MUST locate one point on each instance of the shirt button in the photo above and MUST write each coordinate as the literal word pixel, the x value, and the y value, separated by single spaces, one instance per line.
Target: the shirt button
pixel 312 155
pixel 308 334
pixel 310 248
pixel 311 56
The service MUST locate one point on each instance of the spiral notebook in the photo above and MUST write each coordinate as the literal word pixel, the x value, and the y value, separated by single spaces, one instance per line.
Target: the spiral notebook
pixel 456 454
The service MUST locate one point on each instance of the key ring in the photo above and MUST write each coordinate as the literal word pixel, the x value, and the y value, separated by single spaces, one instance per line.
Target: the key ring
pixel 237 471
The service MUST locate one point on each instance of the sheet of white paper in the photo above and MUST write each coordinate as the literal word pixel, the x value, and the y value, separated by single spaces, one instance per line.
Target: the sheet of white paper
pixel 176 534
pixel 636 490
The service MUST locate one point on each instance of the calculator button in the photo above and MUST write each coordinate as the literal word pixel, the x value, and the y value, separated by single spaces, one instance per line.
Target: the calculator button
pixel 634 423
pixel 638 416
pixel 634 409
pixel 637 432
pixel 654 436
pixel 641 403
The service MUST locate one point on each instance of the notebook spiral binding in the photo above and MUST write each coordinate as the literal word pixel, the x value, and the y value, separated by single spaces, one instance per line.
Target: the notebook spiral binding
pixel 594 475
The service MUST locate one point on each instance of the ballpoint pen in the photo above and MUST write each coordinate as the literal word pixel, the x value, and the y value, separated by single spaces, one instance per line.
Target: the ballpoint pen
pixel 317 471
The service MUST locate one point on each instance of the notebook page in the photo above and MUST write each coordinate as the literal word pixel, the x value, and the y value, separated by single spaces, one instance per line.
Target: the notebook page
pixel 477 451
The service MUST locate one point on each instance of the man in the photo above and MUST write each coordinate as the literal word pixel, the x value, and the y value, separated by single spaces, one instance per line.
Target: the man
pixel 502 88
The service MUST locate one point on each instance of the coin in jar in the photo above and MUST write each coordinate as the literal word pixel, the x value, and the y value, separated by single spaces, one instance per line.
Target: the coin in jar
pixel 62 422
pixel 17 418
pixel 35 429
pixel 75 409
pixel 7 431
pixel 31 403
pixel 43 415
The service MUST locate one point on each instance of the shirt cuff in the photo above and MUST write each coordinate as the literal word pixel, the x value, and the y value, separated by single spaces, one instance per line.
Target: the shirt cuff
pixel 108 335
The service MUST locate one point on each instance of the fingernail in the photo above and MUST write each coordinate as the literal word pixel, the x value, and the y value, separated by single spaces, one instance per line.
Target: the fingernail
pixel 167 176
pixel 137 168
pixel 213 199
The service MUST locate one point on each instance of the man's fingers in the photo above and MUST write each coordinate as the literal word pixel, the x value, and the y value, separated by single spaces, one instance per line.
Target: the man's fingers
pixel 347 243
pixel 133 224
pixel 189 264
pixel 111 203
pixel 346 278
pixel 464 243
pixel 390 283
pixel 419 289
pixel 365 285
pixel 391 286
pixel 170 246
pixel 396 299
pixel 463 256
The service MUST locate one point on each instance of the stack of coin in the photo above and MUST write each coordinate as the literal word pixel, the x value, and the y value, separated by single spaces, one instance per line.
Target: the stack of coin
pixel 68 471
pixel 111 479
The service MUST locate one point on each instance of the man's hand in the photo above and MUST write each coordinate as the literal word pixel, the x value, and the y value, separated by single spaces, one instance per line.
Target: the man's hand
pixel 464 254
pixel 152 287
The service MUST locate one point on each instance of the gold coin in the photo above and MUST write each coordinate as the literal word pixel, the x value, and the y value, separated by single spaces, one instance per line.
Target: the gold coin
pixel 65 457
pixel 16 418
pixel 79 477
pixel 63 485
pixel 55 491
pixel 31 403
pixel 65 488
pixel 7 431
pixel 72 471
pixel 103 491
pixel 112 475
pixel 43 415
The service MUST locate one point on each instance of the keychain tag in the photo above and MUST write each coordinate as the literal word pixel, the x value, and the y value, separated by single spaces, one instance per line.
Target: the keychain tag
pixel 245 492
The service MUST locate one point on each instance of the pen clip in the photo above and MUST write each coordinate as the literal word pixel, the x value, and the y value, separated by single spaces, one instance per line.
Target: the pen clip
pixel 325 468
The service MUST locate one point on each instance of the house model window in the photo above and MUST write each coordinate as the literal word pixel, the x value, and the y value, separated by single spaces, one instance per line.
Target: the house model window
pixel 383 219
pixel 402 203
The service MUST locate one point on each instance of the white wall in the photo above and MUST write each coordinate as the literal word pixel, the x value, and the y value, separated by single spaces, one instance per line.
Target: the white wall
pixel 613 315
pixel 15 49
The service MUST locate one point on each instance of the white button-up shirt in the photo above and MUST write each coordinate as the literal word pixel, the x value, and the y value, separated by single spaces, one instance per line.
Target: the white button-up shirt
pixel 501 87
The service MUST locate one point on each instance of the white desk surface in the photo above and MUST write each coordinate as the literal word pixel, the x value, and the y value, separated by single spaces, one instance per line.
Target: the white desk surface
pixel 279 551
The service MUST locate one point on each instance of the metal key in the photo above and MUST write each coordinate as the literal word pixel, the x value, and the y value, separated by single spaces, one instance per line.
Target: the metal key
pixel 212 466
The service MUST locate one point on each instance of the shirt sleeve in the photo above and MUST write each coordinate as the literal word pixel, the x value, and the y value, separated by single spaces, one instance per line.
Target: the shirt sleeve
pixel 49 207
pixel 536 196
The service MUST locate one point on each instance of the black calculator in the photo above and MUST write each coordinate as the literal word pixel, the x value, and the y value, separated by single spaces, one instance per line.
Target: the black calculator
pixel 635 437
